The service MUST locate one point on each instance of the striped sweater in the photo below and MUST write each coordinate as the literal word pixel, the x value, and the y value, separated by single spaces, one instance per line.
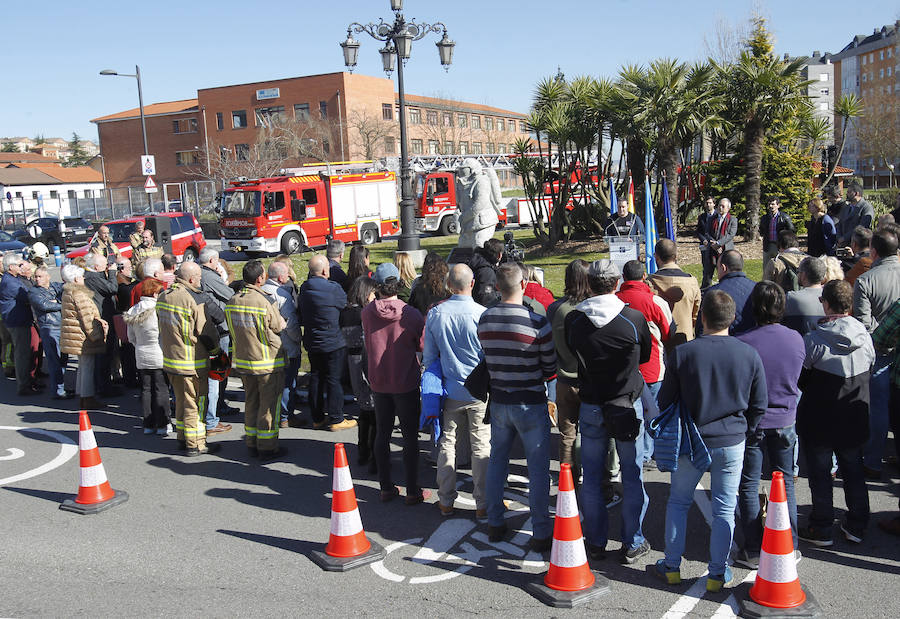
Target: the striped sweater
pixel 519 352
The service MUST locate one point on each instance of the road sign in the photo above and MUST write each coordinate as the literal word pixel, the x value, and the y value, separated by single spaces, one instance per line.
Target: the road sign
pixel 148 165
pixel 150 186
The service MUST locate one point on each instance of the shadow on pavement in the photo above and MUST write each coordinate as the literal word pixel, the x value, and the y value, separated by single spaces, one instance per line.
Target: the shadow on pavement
pixel 299 546
pixel 54 497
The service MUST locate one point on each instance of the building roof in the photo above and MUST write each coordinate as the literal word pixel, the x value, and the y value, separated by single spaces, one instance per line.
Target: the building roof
pixel 455 105
pixel 25 157
pixel 838 171
pixel 154 109
pixel 75 174
pixel 25 176
pixel 862 40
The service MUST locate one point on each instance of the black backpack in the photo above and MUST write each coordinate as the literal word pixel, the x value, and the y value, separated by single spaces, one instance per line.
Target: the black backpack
pixel 790 280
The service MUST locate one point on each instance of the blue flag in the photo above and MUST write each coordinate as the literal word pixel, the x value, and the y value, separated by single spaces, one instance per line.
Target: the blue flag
pixel 650 235
pixel 667 210
pixel 613 203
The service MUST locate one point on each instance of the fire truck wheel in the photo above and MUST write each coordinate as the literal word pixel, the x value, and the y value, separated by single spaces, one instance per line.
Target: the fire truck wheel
pixel 290 243
pixel 368 236
pixel 449 226
pixel 190 255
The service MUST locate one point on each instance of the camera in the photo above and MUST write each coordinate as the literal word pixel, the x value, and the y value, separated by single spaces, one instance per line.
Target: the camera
pixel 511 251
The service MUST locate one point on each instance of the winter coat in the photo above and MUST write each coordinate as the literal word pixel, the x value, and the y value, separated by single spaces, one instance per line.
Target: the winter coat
pixel 774 269
pixel 254 324
pixel 46 305
pixel 834 405
pixel 283 298
pixel 83 331
pixel 211 282
pixel 105 289
pixel 876 290
pixel 540 294
pixel 485 291
pixel 143 332
pixel 784 223
pixel 682 292
pixel 14 301
pixel 654 308
pixel 393 335
pixel 321 302
pixel 739 287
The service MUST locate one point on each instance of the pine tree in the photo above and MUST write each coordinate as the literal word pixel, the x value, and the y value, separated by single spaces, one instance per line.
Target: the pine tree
pixel 77 155
pixel 9 147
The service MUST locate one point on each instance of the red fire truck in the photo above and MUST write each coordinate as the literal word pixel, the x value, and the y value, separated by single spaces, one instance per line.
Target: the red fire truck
pixel 436 203
pixel 286 213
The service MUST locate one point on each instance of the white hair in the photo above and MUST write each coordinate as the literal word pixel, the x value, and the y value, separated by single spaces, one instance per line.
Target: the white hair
pixel 152 266
pixel 207 254
pixel 95 262
pixel 11 259
pixel 70 272
pixel 276 269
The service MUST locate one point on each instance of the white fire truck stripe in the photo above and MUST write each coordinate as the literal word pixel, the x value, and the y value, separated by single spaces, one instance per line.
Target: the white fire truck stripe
pixel 346 523
pixel 92 475
pixel 568 554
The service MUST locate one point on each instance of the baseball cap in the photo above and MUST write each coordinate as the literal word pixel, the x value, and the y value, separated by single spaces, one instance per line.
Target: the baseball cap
pixel 385 271
pixel 604 268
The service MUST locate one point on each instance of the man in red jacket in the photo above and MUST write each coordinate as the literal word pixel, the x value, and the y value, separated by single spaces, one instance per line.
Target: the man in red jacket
pixel 639 296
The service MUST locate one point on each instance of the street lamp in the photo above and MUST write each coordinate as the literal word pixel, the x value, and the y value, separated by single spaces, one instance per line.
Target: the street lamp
pixel 398 38
pixel 891 179
pixel 136 75
pixel 874 178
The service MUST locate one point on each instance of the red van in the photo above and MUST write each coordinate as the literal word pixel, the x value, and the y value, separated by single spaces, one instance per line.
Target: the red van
pixel 177 233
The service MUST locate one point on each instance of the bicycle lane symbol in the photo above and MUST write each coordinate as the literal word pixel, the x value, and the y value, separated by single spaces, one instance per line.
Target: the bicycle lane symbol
pixel 68 448
pixel 441 546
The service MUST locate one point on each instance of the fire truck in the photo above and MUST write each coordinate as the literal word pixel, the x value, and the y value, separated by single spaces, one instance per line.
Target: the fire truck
pixel 287 213
pixel 436 203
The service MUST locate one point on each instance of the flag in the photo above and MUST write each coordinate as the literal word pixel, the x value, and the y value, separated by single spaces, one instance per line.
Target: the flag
pixel 650 235
pixel 667 210
pixel 613 202
pixel 630 194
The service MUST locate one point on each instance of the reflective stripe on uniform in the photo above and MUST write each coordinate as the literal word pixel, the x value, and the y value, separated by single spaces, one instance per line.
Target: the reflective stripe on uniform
pixel 264 364
pixel 249 431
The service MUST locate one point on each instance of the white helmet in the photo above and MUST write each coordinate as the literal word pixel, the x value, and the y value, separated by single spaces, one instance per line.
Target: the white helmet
pixel 39 250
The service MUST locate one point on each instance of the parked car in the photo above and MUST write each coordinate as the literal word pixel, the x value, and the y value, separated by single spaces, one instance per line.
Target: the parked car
pixel 78 231
pixel 182 230
pixel 9 243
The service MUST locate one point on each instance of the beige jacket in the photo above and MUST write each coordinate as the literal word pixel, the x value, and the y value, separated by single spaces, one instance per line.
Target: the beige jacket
pixel 187 338
pixel 254 324
pixel 682 292
pixel 83 332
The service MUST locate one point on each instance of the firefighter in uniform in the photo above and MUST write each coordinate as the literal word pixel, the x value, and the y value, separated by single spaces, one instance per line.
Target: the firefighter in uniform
pixel 258 358
pixel 188 338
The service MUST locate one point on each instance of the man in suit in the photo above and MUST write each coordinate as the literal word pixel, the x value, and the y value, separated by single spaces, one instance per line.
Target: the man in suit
pixel 722 229
pixel 771 224
pixel 703 234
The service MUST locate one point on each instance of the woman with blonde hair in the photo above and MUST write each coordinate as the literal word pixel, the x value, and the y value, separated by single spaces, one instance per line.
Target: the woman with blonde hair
pixel 403 262
pixel 822 235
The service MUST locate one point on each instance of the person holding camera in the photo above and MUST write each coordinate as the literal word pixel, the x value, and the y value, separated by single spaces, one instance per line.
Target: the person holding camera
pixel 610 341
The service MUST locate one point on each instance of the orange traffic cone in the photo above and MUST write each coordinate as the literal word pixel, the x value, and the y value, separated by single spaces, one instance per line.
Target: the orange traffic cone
pixel 569 581
pixel 94 491
pixel 777 591
pixel 348 547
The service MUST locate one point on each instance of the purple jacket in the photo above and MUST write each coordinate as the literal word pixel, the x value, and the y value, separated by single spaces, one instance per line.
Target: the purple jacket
pixel 782 352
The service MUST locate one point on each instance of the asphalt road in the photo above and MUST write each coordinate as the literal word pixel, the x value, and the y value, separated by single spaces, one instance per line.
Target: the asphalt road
pixel 227 536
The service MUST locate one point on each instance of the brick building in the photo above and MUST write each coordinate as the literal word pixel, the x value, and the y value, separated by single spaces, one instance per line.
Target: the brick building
pixel 330 117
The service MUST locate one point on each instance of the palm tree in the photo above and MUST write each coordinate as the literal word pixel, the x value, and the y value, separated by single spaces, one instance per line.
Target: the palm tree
pixel 759 91
pixel 849 107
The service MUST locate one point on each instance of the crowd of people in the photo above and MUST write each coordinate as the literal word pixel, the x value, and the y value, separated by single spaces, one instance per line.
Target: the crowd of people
pixel 799 367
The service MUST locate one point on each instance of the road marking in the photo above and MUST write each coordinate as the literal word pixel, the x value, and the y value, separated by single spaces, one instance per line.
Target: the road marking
pixel 730 607
pixel 68 448
pixel 685 604
pixel 443 539
pixel 14 454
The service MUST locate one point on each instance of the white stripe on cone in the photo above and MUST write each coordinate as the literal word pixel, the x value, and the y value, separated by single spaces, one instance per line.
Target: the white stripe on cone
pixel 568 554
pixel 777 517
pixel 346 523
pixel 341 479
pixel 566 505
pixel 92 475
pixel 777 568
pixel 86 440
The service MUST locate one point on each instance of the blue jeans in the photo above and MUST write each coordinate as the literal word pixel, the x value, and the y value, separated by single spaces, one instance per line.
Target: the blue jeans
pixel 594 440
pixel 50 340
pixel 212 418
pixel 288 396
pixel 821 486
pixel 778 444
pixel 725 475
pixel 879 416
pixel 532 424
pixel 648 440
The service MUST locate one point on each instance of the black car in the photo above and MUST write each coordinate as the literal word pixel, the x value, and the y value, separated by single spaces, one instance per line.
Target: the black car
pixel 78 231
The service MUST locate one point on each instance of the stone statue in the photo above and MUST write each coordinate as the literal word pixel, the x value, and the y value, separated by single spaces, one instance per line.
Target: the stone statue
pixel 478 199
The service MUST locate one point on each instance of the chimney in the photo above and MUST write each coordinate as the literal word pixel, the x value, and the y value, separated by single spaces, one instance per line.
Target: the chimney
pixel 816 54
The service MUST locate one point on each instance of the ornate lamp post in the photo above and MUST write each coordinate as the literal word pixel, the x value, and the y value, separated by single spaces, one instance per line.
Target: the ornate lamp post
pixel 398 38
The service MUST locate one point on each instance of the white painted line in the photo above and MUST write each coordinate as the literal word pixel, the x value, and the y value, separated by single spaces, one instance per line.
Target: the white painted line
pixel 503 546
pixel 445 537
pixel 730 607
pixel 686 603
pixel 68 448
pixel 533 559
pixel 14 454
pixel 379 568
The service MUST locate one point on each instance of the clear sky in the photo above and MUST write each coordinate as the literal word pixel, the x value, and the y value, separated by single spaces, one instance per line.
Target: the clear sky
pixel 52 50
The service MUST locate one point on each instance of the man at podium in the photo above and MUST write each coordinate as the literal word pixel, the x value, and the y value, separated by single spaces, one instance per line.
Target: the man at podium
pixel 624 223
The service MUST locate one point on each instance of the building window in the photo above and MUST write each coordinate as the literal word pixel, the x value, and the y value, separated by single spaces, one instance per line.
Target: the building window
pixel 265 116
pixel 415 116
pixel 890 51
pixel 823 77
pixel 220 121
pixel 34 195
pixel 448 147
pixel 185 125
pixel 447 119
pixel 434 147
pixel 823 105
pixel 523 127
pixel 323 110
pixel 239 119
pixel 187 157
pixel 71 194
pixel 88 193
pixel 476 148
pixel 488 123
pixel 54 195
pixel 501 124
pixel 416 147
pixel 242 152
pixel 881 73
pixel 881 55
pixel 864 60
pixel 463 148
pixel 824 92
pixel 387 111
pixel 390 146
pixel 462 121
pixel 326 146
pixel 490 147
pixel 431 118
pixel 476 122
pixel 865 77
pixel 301 111
pixel 889 70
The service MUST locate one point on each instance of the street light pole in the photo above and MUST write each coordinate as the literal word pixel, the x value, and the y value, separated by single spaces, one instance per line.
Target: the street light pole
pixel 137 76
pixel 398 37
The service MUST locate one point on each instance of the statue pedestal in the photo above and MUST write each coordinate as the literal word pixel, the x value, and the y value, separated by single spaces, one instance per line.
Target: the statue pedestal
pixel 417 255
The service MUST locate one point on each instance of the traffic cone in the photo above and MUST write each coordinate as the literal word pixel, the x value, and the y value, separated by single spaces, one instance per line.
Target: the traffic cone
pixel 348 547
pixel 94 491
pixel 777 591
pixel 569 581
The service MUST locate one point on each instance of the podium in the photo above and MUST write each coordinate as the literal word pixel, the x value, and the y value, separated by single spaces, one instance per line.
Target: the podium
pixel 624 248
